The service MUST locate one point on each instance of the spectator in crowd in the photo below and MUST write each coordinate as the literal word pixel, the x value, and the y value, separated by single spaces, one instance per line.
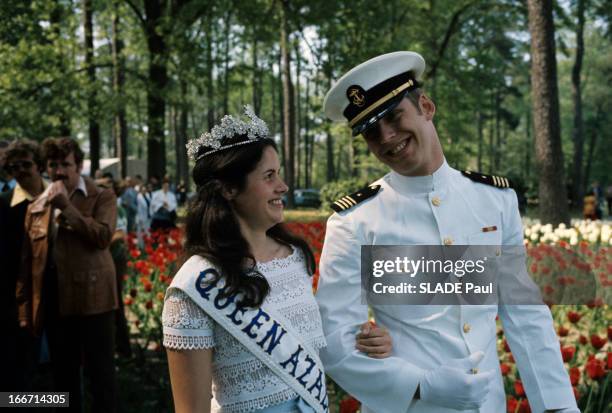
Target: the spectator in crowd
pixel 130 203
pixel 18 350
pixel 154 182
pixel 7 182
pixel 599 199
pixel 67 278
pixel 143 216
pixel 138 182
pixel 119 252
pixel 589 209
pixel 609 199
pixel 163 207
pixel 181 193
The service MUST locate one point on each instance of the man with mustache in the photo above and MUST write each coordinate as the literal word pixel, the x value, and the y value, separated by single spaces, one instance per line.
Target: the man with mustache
pixel 21 160
pixel 67 283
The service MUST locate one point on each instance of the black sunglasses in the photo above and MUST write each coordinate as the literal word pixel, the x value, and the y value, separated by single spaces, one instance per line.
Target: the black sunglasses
pixel 13 166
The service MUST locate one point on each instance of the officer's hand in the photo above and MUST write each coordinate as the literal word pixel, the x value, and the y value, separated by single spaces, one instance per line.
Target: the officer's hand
pixel 373 340
pixel 455 385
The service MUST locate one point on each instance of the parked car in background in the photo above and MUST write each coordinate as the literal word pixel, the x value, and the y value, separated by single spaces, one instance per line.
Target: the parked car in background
pixel 308 197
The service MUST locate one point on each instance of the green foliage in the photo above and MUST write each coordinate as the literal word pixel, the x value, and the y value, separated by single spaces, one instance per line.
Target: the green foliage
pixel 333 191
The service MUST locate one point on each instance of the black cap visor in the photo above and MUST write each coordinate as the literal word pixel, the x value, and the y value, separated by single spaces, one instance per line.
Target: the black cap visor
pixel 377 114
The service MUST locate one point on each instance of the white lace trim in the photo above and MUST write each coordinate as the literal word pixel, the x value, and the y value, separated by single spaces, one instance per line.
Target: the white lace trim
pixel 260 402
pixel 188 343
pixel 281 263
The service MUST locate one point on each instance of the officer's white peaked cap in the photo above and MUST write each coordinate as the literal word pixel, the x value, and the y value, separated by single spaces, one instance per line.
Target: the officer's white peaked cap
pixel 368 91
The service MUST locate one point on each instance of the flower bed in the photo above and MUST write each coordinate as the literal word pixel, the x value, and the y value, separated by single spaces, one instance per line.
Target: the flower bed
pixel 564 254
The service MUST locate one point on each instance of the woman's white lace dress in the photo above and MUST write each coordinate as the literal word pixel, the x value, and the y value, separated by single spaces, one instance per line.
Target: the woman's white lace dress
pixel 242 383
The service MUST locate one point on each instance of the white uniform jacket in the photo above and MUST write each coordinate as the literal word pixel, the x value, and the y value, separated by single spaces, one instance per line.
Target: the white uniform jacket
pixel 442 208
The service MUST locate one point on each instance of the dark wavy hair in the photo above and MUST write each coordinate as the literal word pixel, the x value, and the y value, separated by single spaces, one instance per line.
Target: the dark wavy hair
pixel 23 147
pixel 59 148
pixel 213 231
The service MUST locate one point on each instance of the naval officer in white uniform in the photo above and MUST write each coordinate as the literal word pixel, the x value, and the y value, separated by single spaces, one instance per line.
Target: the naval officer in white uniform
pixel 445 357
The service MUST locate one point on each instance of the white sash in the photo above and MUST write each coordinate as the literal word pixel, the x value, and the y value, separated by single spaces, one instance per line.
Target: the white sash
pixel 268 339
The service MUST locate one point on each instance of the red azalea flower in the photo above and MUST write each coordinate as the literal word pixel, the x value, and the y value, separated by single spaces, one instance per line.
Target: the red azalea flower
pixel 568 353
pixel 149 305
pixel 597 341
pixel 573 316
pixel 511 404
pixel 148 287
pixel 510 358
pixel 609 360
pixel 133 292
pixel 562 331
pixel 506 346
pixel 128 301
pixel 583 340
pixel 610 333
pixel 505 369
pixel 574 374
pixel 135 253
pixel 518 388
pixel 595 368
pixel 576 393
pixel 524 407
pixel 349 405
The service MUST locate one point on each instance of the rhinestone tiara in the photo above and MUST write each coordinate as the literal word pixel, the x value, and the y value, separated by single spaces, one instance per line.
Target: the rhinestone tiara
pixel 223 135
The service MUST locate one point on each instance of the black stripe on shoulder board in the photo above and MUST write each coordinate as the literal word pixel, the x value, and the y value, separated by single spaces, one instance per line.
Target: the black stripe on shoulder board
pixel 349 201
pixel 492 180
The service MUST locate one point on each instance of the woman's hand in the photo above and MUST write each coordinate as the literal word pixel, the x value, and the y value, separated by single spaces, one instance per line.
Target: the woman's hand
pixel 373 340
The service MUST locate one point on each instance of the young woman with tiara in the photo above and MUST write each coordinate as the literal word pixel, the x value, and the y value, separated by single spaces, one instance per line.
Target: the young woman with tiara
pixel 240 321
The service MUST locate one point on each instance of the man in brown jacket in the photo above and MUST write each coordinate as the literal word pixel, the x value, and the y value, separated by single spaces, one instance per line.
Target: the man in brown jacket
pixel 68 283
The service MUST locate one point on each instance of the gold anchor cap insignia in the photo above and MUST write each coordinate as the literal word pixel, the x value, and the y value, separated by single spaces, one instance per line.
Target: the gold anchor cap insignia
pixel 356 95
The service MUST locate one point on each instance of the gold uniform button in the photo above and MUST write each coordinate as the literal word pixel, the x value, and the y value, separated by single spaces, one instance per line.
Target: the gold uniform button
pixel 435 201
pixel 474 370
pixel 466 328
pixel 448 241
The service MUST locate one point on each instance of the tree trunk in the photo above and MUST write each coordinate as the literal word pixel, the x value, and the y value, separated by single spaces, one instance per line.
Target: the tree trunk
pixel 228 23
pixel 479 120
pixel 491 136
pixel 56 20
pixel 331 170
pixel 298 119
pixel 552 191
pixel 210 84
pixel 156 100
pixel 528 149
pixel 256 81
pixel 307 153
pixel 273 84
pixel 120 123
pixel 595 131
pixel 94 127
pixel 182 165
pixel 577 130
pixel 497 147
pixel 288 106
